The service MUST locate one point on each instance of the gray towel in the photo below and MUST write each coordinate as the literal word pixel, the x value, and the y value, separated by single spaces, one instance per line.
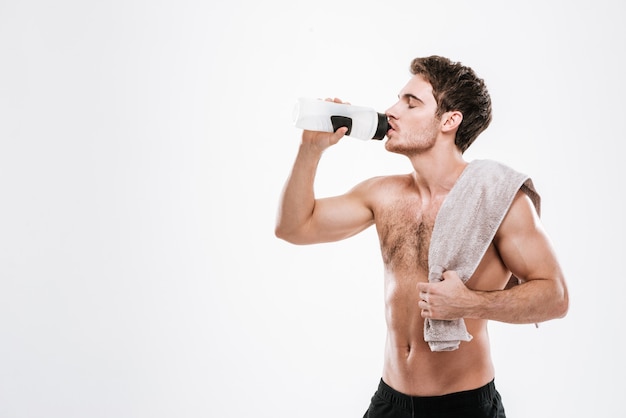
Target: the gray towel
pixel 464 228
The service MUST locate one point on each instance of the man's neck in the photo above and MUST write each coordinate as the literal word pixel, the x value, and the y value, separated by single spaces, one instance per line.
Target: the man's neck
pixel 436 174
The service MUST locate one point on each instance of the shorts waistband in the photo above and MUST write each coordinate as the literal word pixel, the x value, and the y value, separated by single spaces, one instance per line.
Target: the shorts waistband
pixel 464 399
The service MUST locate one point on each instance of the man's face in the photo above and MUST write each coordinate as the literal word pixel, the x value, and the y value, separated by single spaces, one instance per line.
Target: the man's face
pixel 412 119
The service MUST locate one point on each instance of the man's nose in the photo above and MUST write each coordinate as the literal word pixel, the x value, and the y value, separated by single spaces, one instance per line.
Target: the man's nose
pixel 391 112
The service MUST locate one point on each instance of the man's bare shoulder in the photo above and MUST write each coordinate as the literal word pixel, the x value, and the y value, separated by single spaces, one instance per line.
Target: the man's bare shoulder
pixel 521 217
pixel 386 183
pixel 382 191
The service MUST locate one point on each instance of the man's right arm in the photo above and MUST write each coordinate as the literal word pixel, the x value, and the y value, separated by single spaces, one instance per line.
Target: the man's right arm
pixel 303 219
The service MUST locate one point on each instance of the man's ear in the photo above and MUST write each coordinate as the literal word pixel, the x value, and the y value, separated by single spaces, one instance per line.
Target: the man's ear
pixel 451 120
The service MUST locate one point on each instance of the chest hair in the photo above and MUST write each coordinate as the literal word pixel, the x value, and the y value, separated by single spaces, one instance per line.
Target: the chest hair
pixel 405 231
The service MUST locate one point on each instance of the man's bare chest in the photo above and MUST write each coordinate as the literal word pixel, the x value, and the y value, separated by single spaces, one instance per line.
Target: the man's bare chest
pixel 404 229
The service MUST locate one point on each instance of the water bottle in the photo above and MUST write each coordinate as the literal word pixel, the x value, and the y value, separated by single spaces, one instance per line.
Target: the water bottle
pixel 323 116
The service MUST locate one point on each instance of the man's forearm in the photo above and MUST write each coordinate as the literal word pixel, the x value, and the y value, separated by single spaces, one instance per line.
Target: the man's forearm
pixel 531 302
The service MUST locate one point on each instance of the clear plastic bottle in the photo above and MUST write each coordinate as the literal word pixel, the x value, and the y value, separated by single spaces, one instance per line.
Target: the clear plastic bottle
pixel 320 115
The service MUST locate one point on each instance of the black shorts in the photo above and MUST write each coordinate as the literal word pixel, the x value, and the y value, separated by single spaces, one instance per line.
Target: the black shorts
pixel 483 402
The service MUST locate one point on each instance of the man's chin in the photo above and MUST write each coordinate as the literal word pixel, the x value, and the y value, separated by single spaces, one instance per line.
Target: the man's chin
pixel 392 146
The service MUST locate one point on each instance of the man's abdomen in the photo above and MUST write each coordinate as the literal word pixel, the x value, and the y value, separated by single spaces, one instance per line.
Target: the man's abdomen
pixel 411 368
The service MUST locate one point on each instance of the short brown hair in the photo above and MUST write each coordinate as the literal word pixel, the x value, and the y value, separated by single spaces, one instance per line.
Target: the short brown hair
pixel 456 87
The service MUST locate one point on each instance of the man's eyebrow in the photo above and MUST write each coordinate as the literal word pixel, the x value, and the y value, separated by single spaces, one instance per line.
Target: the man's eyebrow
pixel 409 96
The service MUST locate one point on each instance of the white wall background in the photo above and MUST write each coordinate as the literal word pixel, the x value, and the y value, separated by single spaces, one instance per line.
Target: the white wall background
pixel 143 147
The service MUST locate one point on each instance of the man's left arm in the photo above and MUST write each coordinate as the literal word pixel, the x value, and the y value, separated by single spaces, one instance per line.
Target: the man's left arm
pixel 526 250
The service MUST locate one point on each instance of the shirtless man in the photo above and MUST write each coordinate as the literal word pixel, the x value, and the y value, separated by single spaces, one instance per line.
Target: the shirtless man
pixel 439 113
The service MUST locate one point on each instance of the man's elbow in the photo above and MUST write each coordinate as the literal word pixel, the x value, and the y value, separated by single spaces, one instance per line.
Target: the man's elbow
pixel 281 233
pixel 564 307
pixel 561 305
pixel 289 235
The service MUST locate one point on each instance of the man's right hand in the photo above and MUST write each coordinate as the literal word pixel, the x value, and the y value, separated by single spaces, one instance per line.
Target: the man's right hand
pixel 323 140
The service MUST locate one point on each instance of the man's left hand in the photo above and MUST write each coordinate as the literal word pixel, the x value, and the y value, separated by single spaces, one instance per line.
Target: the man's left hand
pixel 448 299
